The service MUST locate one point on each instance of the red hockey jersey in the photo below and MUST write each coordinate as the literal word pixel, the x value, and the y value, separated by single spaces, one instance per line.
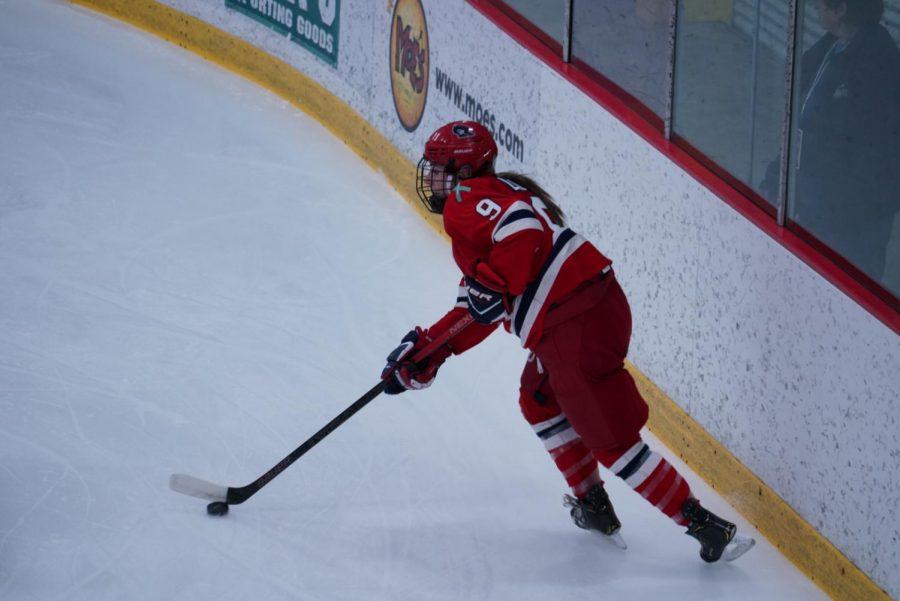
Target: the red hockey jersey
pixel 503 237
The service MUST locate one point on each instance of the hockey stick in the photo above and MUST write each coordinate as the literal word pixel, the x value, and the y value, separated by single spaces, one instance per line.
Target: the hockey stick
pixel 195 487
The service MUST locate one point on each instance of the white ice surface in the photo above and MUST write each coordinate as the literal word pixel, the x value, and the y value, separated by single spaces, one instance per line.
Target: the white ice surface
pixel 194 277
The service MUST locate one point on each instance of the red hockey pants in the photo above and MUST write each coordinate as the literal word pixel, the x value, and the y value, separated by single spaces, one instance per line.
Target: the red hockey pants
pixel 585 407
pixel 580 368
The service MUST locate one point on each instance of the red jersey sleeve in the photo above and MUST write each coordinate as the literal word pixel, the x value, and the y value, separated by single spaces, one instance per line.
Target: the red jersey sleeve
pixel 469 337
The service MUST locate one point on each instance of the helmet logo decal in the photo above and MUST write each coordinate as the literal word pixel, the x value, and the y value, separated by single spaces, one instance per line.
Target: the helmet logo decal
pixel 462 131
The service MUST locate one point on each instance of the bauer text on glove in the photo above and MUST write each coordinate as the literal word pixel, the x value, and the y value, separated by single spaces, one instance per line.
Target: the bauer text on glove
pixel 485 305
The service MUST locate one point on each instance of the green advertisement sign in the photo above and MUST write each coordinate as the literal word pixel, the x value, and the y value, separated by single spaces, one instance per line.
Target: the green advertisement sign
pixel 314 24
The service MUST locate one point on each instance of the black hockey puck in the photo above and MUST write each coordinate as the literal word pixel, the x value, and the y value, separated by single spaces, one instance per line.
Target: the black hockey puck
pixel 217 508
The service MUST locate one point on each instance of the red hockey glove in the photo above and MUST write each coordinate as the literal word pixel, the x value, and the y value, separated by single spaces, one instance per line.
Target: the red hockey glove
pixel 407 375
pixel 486 305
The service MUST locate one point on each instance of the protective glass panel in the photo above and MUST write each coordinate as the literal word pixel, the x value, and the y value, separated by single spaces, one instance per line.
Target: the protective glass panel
pixel 546 15
pixel 845 163
pixel 729 99
pixel 626 41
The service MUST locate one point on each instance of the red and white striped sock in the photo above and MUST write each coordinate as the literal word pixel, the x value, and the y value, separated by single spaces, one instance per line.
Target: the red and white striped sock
pixel 651 476
pixel 574 460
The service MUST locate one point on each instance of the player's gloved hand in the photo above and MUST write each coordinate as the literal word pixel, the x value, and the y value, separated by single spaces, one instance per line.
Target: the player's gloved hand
pixel 401 374
pixel 485 305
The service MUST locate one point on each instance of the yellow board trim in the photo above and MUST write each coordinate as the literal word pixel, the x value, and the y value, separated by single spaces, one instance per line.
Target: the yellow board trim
pixel 805 547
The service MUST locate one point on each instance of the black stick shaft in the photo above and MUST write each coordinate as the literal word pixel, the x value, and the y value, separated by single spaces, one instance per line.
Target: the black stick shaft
pixel 238 495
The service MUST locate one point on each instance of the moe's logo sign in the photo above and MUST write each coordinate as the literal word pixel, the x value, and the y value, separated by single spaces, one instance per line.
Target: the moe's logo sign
pixel 409 62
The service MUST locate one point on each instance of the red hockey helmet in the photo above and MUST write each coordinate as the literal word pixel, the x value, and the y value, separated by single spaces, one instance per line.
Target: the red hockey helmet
pixel 454 151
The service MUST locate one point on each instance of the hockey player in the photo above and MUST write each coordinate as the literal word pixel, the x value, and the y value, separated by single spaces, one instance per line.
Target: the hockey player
pixel 524 268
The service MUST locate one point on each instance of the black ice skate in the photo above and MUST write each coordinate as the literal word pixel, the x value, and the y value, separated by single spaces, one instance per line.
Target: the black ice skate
pixel 718 538
pixel 595 512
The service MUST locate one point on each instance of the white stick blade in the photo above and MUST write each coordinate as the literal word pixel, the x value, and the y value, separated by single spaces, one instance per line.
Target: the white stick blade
pixel 195 487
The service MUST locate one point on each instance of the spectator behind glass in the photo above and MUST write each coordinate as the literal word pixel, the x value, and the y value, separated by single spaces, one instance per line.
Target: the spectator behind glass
pixel 847 160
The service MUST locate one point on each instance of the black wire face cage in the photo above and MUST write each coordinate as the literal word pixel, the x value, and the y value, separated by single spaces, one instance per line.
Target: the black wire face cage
pixel 433 202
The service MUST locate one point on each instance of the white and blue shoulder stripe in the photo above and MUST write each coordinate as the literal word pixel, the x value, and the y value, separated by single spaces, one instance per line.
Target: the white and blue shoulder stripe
pixel 518 217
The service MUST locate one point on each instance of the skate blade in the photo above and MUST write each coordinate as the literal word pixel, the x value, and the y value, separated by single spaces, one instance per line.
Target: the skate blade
pixel 615 538
pixel 739 545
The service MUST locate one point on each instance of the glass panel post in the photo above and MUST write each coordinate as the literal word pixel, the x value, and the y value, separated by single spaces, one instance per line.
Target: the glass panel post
pixel 670 71
pixel 788 113
pixel 567 32
pixel 754 87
